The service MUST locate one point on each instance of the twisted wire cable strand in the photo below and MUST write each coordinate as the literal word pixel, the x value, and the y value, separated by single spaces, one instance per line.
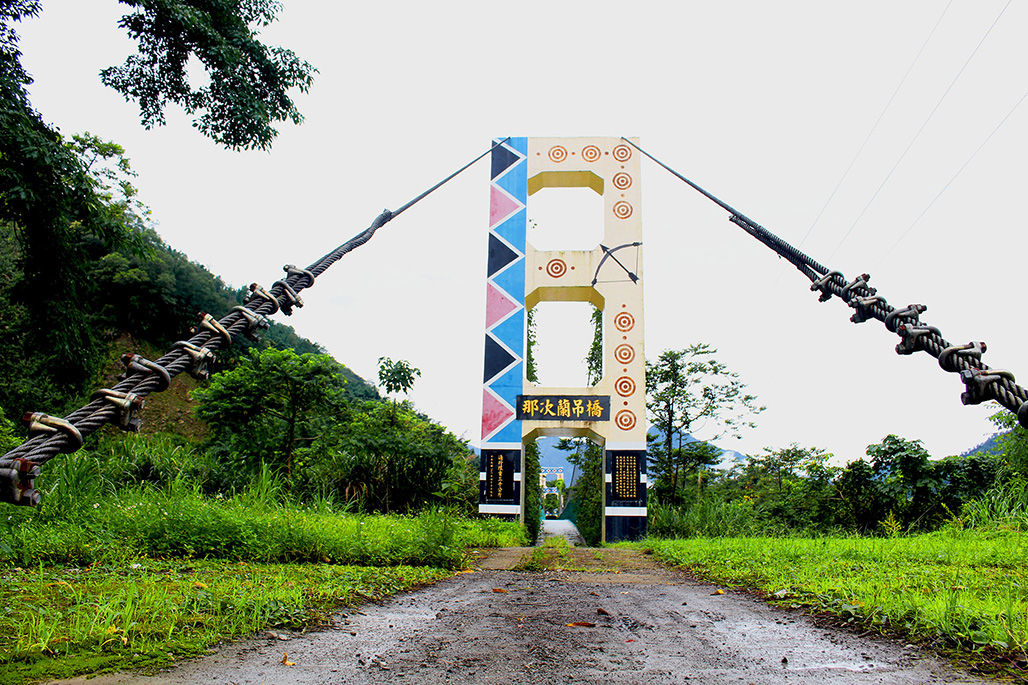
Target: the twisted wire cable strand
pixel 41 448
pixel 1004 390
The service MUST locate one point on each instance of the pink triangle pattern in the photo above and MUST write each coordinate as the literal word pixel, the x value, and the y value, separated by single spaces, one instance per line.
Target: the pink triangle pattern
pixel 501 205
pixel 495 414
pixel 497 305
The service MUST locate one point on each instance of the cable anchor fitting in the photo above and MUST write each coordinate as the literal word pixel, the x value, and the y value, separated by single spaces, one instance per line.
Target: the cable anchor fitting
pixel 292 299
pixel 822 285
pixel 292 270
pixel 978 383
pixel 126 403
pixel 974 350
pixel 202 359
pixel 858 282
pixel 254 322
pixel 214 326
pixel 135 363
pixel 18 483
pixel 912 312
pixel 46 424
pixel 911 334
pixel 258 292
pixel 863 306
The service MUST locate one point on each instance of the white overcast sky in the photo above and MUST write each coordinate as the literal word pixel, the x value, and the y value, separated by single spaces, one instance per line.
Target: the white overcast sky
pixel 764 104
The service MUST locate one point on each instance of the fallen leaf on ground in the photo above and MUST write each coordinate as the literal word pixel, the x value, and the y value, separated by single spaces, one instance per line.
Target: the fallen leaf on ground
pixel 198 584
pixel 286 661
pixel 499 590
pixel 718 592
pixel 580 624
pixel 602 612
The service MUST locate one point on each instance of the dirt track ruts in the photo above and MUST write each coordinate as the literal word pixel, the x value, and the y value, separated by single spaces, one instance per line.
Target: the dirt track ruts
pixel 651 625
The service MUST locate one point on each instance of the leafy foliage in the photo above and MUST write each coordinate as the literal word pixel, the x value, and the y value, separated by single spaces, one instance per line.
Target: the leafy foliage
pixel 248 82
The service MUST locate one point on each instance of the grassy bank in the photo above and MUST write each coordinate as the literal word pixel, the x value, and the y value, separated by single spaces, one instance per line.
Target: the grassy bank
pixel 65 621
pixel 955 588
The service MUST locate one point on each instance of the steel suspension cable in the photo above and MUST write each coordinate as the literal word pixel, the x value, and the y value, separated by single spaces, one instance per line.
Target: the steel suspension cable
pixel 981 382
pixel 52 436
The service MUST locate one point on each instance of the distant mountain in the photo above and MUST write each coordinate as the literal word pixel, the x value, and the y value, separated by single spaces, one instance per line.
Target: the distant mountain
pixel 990 446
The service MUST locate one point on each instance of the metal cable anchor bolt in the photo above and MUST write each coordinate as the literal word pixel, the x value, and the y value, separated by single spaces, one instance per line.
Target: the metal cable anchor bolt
pixel 292 270
pixel 258 291
pixel 858 282
pixel 912 312
pixel 202 359
pixel 822 285
pixel 863 306
pixel 126 403
pixel 254 322
pixel 214 326
pixel 974 350
pixel 20 485
pixel 911 334
pixel 44 423
pixel 292 299
pixel 978 381
pixel 135 363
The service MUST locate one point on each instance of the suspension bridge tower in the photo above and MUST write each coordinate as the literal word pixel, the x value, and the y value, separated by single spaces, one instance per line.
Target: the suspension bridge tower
pixel 611 413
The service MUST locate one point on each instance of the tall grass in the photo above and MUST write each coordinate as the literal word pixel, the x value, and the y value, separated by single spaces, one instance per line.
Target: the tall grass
pixel 1005 506
pixel 968 587
pixel 706 517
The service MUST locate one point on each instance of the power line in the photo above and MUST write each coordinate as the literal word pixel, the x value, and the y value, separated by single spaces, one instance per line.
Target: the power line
pixel 962 167
pixel 878 121
pixel 923 125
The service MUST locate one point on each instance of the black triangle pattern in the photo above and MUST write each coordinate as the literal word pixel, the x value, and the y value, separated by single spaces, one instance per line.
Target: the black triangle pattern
pixel 499 255
pixel 502 159
pixel 496 358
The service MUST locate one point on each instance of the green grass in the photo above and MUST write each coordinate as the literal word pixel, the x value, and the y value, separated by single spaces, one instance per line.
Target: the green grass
pixel 61 622
pixel 955 588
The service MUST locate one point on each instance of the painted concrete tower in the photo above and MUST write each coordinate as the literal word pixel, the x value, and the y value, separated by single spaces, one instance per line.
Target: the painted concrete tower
pixel 611 413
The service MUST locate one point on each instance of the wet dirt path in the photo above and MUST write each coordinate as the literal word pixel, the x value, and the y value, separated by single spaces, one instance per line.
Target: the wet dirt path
pixel 632 621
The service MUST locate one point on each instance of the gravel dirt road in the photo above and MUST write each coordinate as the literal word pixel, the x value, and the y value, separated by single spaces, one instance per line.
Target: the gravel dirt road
pixel 617 618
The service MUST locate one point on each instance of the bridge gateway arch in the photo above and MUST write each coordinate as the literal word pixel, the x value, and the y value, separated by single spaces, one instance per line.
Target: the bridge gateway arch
pixel 611 413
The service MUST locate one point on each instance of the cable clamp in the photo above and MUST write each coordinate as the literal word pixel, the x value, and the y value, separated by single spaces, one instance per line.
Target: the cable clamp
pixel 863 306
pixel 258 292
pixel 292 270
pixel 292 299
pixel 254 322
pixel 974 350
pixel 858 282
pixel 211 324
pixel 18 483
pixel 202 359
pixel 911 312
pixel 911 334
pixel 44 423
pixel 135 363
pixel 978 382
pixel 1022 414
pixel 126 403
pixel 822 285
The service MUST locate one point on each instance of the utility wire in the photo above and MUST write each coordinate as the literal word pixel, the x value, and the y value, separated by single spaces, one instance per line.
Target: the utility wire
pixel 918 134
pixel 875 127
pixel 962 167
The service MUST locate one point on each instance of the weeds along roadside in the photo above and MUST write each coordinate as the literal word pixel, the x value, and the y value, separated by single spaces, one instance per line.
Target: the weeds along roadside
pixel 96 581
pixel 953 589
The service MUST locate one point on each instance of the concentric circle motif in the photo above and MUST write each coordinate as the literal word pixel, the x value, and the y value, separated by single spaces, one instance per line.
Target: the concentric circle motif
pixel 621 181
pixel 624 321
pixel 622 153
pixel 624 386
pixel 558 153
pixel 590 153
pixel 624 354
pixel 625 420
pixel 622 210
pixel 556 268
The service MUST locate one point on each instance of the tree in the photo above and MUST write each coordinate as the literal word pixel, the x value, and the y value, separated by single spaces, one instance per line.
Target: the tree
pixel 689 391
pixel 270 405
pixel 396 376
